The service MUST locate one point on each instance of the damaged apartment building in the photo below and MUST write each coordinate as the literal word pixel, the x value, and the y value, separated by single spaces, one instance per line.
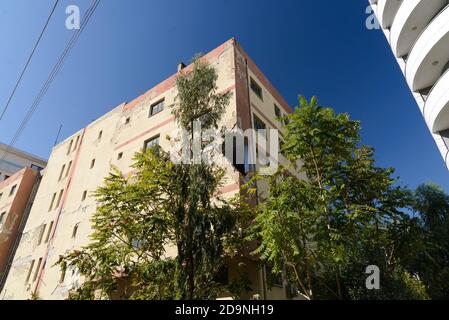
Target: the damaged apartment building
pixel 60 218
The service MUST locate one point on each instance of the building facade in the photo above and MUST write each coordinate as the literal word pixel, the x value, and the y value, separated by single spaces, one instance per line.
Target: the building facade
pixel 78 165
pixel 418 33
pixel 13 160
pixel 16 196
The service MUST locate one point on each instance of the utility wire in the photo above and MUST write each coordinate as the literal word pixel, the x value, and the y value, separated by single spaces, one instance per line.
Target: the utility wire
pixel 29 60
pixel 52 75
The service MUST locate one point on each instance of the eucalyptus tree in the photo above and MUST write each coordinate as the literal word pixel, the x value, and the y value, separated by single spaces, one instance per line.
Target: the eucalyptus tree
pixel 164 204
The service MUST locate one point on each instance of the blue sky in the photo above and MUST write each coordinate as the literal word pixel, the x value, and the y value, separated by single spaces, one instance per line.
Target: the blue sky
pixel 304 47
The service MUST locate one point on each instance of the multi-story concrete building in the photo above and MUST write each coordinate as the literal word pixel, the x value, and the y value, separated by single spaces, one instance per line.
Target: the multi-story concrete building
pixel 418 33
pixel 60 217
pixel 13 160
pixel 16 196
pixel 19 178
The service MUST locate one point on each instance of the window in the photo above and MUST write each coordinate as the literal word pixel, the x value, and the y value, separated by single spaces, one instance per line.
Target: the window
pixel 41 234
pixel 2 217
pixel 36 272
pixel 84 196
pixel 92 163
pixel 278 113
pixel 100 135
pixel 120 155
pixel 127 120
pixel 256 88
pixel 76 143
pixel 13 190
pixel 68 169
pixel 47 238
pixel 59 198
pixel 75 231
pixel 239 161
pixel 1 195
pixel 157 107
pixel 151 143
pixel 259 124
pixel 61 173
pixel 52 202
pixel 29 271
pixel 36 168
pixel 70 147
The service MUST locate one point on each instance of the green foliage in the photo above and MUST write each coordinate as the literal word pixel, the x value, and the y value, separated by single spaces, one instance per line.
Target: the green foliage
pixel 325 219
pixel 139 217
pixel 197 97
pixel 131 233
pixel 431 239
pixel 163 205
pixel 34 296
pixel 240 285
pixel 397 284
pixel 347 214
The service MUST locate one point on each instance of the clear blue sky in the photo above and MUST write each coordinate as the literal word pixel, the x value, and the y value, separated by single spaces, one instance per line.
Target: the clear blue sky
pixel 304 47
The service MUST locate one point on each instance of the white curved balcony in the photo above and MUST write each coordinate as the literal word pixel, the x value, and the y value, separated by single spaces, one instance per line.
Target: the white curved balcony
pixel 436 108
pixel 429 54
pixel 411 19
pixel 386 11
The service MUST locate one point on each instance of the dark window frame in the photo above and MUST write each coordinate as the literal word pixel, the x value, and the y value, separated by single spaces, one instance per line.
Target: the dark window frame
pixel 13 190
pixel 278 114
pixel 256 88
pixel 157 107
pixel 146 143
pixel 2 217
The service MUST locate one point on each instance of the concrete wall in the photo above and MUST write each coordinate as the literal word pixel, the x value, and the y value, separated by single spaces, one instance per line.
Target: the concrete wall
pixel 123 131
pixel 12 207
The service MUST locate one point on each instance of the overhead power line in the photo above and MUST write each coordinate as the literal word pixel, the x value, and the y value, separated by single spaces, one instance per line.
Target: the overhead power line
pixel 90 11
pixel 29 60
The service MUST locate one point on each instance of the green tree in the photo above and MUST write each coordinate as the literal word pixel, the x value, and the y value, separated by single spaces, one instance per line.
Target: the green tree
pixel 162 205
pixel 200 221
pixel 132 229
pixel 431 238
pixel 346 214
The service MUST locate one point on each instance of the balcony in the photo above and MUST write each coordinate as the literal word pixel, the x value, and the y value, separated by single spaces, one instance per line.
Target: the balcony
pixel 429 54
pixel 436 109
pixel 411 19
pixel 386 11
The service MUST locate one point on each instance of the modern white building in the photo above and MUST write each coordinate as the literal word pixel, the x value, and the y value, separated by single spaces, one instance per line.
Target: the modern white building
pixel 13 160
pixel 418 33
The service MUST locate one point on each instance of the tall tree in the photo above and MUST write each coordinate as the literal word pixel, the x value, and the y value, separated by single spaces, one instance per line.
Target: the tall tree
pixel 431 261
pixel 327 228
pixel 198 218
pixel 164 204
